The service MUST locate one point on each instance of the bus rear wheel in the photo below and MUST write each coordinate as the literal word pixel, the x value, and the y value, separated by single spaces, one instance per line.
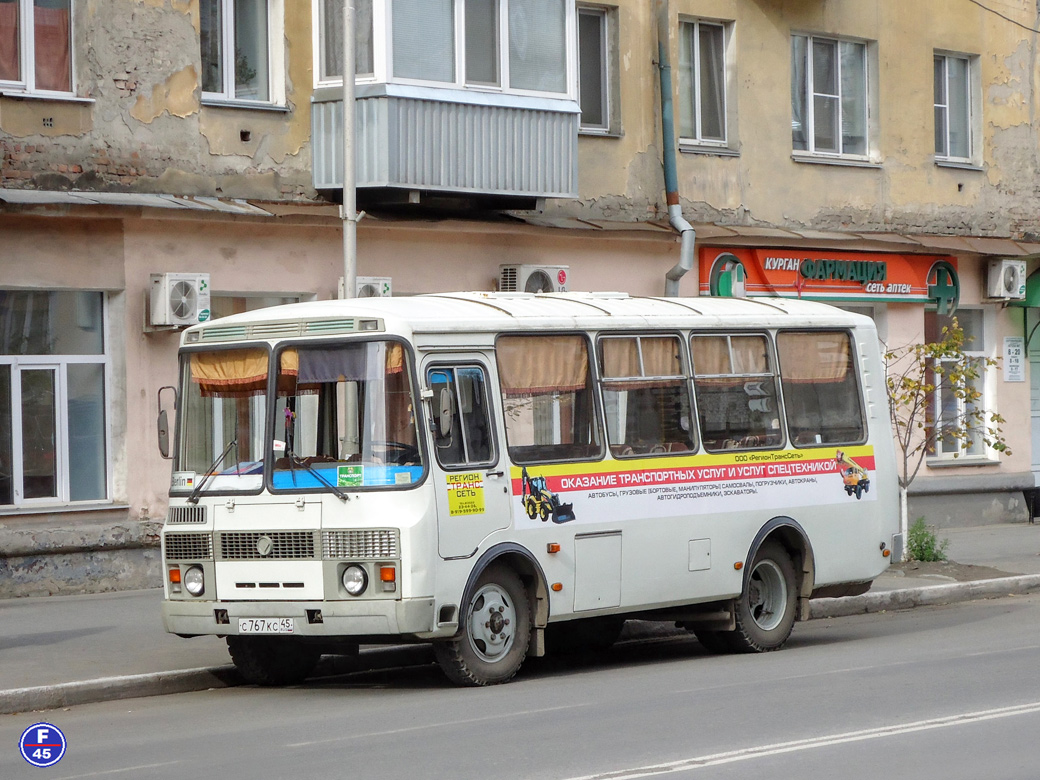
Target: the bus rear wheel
pixel 269 661
pixel 765 611
pixel 495 632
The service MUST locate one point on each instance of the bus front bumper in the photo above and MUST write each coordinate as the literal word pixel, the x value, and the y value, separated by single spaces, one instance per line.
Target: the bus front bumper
pixel 407 617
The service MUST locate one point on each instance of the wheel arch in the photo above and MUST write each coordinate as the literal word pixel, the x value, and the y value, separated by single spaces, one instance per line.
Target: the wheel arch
pixel 522 561
pixel 789 534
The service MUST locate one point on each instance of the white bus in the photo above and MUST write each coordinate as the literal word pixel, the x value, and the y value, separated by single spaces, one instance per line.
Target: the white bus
pixel 499 473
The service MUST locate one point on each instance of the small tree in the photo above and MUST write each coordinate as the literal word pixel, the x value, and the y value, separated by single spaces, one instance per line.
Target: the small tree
pixel 916 375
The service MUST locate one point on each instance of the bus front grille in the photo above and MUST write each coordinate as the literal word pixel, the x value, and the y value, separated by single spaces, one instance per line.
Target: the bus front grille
pixel 367 543
pixel 267 545
pixel 188 547
pixel 186 514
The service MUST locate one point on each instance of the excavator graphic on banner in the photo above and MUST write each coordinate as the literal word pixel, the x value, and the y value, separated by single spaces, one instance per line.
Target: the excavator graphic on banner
pixel 539 501
pixel 853 475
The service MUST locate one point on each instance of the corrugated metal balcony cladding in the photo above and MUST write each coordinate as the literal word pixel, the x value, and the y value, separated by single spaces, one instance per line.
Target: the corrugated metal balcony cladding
pixel 458 147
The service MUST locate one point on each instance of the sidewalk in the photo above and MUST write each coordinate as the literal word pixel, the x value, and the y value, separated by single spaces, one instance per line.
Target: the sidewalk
pixel 64 650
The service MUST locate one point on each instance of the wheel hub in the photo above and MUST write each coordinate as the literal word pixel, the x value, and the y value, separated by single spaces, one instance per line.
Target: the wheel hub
pixel 491 623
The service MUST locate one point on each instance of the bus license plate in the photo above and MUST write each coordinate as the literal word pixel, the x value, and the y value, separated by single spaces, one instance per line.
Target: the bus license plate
pixel 265 625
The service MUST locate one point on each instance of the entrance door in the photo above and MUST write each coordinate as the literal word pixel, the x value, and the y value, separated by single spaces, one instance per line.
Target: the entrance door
pixel 1032 319
pixel 470 476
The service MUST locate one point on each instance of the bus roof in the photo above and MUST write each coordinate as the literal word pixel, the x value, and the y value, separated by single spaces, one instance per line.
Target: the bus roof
pixel 495 312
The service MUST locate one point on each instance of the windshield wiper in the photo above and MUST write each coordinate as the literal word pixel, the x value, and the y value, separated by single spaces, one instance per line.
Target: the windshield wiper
pixel 194 497
pixel 295 460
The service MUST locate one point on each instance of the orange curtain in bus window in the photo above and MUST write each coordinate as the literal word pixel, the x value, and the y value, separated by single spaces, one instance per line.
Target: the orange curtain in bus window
pixel 9 41
pixel 234 373
pixel 536 365
pixel 53 46
pixel 660 359
pixel 722 356
pixel 813 358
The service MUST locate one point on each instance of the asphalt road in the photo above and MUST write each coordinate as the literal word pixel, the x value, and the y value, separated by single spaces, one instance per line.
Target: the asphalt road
pixel 939 692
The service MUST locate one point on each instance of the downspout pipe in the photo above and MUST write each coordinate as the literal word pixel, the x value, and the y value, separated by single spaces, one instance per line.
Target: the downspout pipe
pixel 671 178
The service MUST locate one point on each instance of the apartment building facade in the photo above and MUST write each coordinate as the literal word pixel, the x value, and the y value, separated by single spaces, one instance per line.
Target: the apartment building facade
pixel 876 155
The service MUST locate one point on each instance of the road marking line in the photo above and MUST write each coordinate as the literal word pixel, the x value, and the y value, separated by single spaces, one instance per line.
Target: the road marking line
pixel 104 772
pixel 763 751
pixel 440 725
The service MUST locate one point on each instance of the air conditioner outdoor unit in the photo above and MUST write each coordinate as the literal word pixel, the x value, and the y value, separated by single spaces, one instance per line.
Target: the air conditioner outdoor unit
pixel 373 287
pixel 369 287
pixel 1006 279
pixel 179 299
pixel 533 278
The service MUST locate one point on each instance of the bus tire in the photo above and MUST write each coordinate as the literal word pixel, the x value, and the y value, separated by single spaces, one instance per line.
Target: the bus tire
pixel 268 661
pixel 494 634
pixel 715 642
pixel 765 611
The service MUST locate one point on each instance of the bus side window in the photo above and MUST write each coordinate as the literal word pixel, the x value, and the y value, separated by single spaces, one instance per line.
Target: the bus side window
pixel 468 441
pixel 736 392
pixel 548 398
pixel 645 395
pixel 821 391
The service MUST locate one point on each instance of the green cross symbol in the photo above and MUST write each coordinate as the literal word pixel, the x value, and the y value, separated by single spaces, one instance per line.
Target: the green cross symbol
pixel 946 291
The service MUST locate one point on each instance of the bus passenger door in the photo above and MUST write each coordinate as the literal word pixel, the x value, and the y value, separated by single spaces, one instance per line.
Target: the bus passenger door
pixel 470 477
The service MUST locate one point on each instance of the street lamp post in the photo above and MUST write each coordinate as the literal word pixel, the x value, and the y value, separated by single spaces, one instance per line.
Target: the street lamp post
pixel 348 211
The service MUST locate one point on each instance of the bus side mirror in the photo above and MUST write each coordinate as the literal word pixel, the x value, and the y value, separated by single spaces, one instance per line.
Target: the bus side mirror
pixel 163 423
pixel 445 412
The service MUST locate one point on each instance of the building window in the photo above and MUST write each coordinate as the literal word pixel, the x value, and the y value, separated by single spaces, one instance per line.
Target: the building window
pixel 599 94
pixel 515 45
pixel 953 107
pixel 828 96
pixel 947 410
pixel 482 25
pixel 702 82
pixel 36 45
pixel 330 40
pixel 236 58
pixel 53 429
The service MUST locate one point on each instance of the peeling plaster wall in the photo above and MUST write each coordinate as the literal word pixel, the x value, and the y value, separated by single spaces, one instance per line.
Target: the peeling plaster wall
pixel 145 128
pixel 902 190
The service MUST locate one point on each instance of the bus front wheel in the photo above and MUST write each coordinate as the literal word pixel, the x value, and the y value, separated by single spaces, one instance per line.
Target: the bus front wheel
pixel 495 632
pixel 765 611
pixel 269 661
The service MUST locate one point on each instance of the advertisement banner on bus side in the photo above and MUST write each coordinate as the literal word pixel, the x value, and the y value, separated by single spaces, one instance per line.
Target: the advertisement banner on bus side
pixel 695 484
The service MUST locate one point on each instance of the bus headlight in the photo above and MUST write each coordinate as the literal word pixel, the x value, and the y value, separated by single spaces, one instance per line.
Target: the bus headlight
pixel 354 579
pixel 193 580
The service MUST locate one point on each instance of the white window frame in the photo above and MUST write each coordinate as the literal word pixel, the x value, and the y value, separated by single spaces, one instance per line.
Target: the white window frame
pixel 971 101
pixel 379 58
pixel 275 59
pixel 810 94
pixel 694 92
pixel 610 97
pixel 27 53
pixel 59 364
pixel 383 53
pixel 960 455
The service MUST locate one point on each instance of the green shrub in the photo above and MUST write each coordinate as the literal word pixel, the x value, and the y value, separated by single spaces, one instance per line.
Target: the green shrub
pixel 922 544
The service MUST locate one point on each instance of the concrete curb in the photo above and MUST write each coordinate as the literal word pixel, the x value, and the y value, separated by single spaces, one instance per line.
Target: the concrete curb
pixel 49 697
pixel 932 595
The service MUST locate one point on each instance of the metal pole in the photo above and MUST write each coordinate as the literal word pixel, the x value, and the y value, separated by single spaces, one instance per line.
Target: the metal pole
pixel 348 211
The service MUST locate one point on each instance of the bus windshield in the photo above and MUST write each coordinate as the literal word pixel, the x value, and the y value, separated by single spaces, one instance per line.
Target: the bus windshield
pixel 223 409
pixel 345 418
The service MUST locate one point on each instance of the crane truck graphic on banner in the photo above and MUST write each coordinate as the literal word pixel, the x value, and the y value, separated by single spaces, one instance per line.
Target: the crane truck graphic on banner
pixel 855 477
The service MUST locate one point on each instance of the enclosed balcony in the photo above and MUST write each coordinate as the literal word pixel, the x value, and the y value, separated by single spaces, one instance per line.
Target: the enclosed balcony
pixel 472 98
